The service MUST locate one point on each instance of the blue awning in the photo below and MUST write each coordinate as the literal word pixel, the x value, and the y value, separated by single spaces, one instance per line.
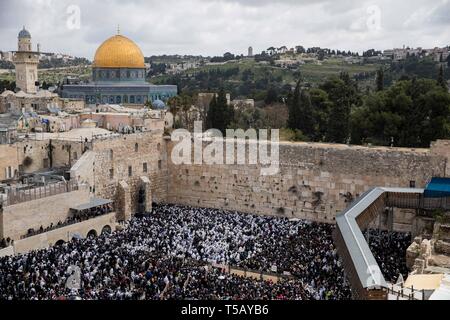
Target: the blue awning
pixel 438 188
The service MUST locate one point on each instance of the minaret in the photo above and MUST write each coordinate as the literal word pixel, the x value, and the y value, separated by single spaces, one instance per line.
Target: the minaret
pixel 26 62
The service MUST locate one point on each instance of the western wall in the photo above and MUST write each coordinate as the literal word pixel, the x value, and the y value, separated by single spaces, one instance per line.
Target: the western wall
pixel 315 181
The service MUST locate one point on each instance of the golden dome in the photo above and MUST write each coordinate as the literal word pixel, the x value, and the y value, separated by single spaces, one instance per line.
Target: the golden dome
pixel 119 52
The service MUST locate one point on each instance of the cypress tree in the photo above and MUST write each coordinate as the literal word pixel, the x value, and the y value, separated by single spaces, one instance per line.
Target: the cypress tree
pixel 380 80
pixel 306 114
pixel 441 80
pixel 220 115
pixel 301 112
pixel 294 109
pixel 212 114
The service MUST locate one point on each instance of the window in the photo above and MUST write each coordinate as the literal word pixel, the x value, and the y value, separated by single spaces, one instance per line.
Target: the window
pixel 136 147
pixel 111 155
pixel 159 164
pixel 144 167
pixel 158 146
pixel 8 172
pixel 130 171
pixel 111 173
pixel 75 156
pixel 412 184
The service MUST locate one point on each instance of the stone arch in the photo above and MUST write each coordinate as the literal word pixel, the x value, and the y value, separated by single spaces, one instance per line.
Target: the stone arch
pixel 59 243
pixel 106 229
pixel 92 233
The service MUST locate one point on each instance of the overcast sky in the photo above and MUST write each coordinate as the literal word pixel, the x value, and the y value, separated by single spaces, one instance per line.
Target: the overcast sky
pixel 212 27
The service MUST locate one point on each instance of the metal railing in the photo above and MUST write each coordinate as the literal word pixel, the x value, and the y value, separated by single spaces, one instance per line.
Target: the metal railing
pixel 406 293
pixel 20 196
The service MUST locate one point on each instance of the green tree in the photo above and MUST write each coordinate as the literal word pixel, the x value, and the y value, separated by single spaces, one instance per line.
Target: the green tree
pixel 294 108
pixel 321 106
pixel 441 80
pixel 343 94
pixel 412 113
pixel 272 96
pixel 307 116
pixel 301 115
pixel 212 113
pixel 220 115
pixel 380 80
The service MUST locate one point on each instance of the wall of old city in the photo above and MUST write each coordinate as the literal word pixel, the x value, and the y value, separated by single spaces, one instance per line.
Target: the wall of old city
pixel 315 181
pixel 128 158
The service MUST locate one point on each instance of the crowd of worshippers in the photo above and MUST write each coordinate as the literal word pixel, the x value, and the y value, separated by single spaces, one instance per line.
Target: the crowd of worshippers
pixel 151 258
pixel 83 215
pixel 75 217
pixel 389 250
pixel 4 243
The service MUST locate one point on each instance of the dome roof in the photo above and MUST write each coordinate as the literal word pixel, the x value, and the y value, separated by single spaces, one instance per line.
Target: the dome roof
pixel 119 52
pixel 24 33
pixel 158 104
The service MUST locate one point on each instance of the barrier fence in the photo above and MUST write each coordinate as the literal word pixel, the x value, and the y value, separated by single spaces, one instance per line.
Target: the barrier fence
pixel 20 196
pixel 244 272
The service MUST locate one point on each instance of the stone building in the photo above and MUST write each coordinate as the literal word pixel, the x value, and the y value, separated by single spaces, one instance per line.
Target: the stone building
pixel 11 102
pixel 26 62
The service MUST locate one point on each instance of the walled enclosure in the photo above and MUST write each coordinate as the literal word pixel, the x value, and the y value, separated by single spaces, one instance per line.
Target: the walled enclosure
pixel 315 182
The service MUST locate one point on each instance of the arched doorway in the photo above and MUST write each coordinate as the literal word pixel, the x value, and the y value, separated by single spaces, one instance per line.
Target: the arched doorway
pixel 92 234
pixel 106 230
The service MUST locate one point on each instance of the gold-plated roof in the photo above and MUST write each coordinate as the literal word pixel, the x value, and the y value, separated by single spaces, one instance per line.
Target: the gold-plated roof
pixel 119 52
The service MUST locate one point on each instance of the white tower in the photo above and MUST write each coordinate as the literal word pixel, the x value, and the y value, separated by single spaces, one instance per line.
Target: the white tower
pixel 250 51
pixel 26 62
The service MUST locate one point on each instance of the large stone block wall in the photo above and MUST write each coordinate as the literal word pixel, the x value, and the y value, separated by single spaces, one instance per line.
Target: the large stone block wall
pixel 15 220
pixel 118 154
pixel 315 181
pixel 64 153
pixel 37 151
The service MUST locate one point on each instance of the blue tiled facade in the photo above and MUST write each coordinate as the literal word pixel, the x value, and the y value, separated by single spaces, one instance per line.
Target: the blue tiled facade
pixel 117 86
